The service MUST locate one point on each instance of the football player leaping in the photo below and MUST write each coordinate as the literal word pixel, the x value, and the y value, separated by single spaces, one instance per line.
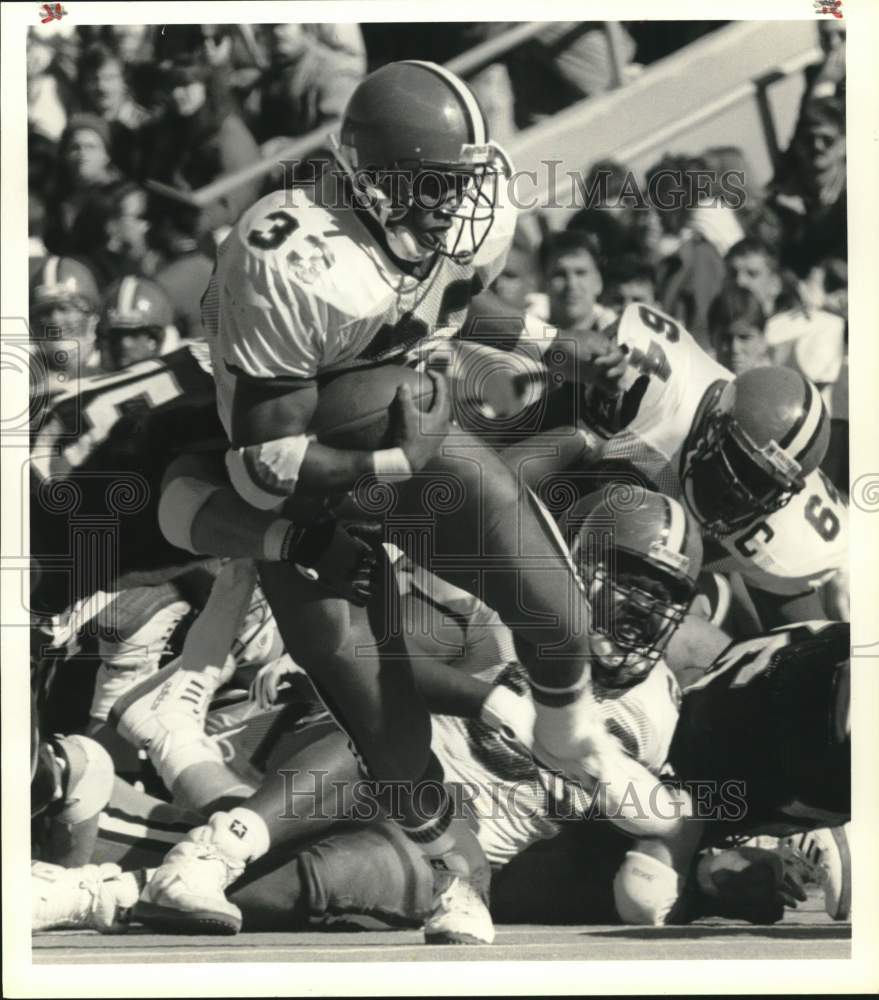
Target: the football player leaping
pixel 305 287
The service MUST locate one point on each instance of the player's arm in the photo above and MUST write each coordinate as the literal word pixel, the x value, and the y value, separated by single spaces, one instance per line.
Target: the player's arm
pixel 787 609
pixel 448 691
pixel 272 455
pixel 201 513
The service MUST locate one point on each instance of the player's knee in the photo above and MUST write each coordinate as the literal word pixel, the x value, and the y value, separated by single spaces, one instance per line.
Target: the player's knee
pixel 90 777
pixel 376 871
pixel 187 486
pixel 645 890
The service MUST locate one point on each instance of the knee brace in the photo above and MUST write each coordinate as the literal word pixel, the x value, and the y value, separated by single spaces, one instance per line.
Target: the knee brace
pixel 90 777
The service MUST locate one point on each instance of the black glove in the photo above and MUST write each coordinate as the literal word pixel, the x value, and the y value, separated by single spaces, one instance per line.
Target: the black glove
pixel 341 558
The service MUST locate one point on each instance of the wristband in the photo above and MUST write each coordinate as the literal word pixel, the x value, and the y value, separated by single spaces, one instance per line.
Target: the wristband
pixel 275 540
pixel 391 465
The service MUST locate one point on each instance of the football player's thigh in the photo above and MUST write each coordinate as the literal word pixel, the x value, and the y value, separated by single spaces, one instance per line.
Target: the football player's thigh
pixel 370 870
pixel 357 660
pixel 471 507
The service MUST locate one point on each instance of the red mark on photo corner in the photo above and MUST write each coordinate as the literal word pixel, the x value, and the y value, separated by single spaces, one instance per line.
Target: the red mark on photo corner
pixel 833 7
pixel 51 12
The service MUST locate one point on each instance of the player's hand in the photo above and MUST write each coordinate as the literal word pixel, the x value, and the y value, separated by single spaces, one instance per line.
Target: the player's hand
pixel 511 714
pixel 264 689
pixel 421 432
pixel 589 358
pixel 341 557
pixel 750 883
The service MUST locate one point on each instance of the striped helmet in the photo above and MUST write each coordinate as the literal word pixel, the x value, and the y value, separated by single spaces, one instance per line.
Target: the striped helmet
pixel 63 279
pixel 414 136
pixel 753 450
pixel 135 303
pixel 639 555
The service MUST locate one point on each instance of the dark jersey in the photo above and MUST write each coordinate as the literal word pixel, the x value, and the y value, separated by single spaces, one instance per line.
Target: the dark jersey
pixel 768 726
pixel 96 469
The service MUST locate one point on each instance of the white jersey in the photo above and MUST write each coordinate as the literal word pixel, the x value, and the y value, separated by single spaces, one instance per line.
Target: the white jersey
pixel 790 551
pixel 514 802
pixel 303 286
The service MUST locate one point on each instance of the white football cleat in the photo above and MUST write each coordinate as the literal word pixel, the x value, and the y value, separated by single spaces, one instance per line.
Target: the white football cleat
pixel 826 860
pixel 186 895
pixel 460 915
pixel 125 664
pixel 462 880
pixel 97 897
pixel 165 715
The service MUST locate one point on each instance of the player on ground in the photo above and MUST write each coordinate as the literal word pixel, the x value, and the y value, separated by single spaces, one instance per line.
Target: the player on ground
pixel 752 694
pixel 512 802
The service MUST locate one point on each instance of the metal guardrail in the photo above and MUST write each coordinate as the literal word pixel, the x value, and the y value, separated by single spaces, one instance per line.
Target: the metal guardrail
pixel 468 62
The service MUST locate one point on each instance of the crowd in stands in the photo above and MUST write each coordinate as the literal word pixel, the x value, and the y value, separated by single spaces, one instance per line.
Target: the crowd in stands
pixel 120 117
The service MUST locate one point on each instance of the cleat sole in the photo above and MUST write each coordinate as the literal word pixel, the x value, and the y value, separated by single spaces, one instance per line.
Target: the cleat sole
pixel 168 920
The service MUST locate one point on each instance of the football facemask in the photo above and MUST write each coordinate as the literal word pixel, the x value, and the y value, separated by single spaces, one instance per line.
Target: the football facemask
pixel 428 208
pixel 635 611
pixel 729 480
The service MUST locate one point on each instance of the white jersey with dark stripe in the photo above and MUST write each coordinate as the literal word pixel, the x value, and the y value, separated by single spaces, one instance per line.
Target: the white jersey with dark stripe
pixel 672 383
pixel 517 803
pixel 304 286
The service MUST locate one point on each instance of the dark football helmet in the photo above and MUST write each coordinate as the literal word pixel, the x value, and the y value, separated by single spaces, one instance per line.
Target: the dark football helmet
pixel 752 450
pixel 638 554
pixel 414 143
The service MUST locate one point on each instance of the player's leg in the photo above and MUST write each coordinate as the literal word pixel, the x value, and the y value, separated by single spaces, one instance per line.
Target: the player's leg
pixel 369 688
pixel 166 712
pixel 373 871
pixel 493 538
pixel 358 661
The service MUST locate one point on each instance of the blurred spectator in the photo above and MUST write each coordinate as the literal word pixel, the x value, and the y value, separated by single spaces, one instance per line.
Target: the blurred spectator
pixel 196 139
pixel 628 279
pixel 621 221
pixel 516 285
pixel 827 78
pixel 36 221
pixel 135 323
pixel 104 91
pixel 699 230
pixel 752 265
pixel 135 46
pixel 83 168
pixel 566 62
pixel 112 232
pixel 799 332
pixel 314 69
pixel 50 95
pixel 572 281
pixel 737 324
pixel 808 196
